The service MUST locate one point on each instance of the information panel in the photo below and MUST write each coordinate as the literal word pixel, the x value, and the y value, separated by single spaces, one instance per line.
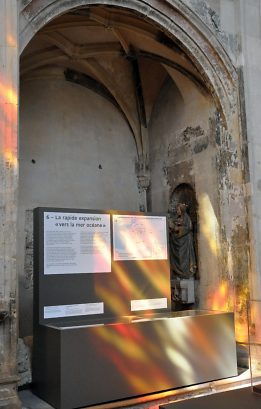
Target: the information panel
pixel 76 243
pixel 139 237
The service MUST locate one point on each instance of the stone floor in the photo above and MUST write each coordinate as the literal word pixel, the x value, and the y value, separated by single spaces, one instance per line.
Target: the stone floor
pixel 30 401
pixel 240 398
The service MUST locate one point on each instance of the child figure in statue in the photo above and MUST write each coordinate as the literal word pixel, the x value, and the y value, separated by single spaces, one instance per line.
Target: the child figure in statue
pixel 181 243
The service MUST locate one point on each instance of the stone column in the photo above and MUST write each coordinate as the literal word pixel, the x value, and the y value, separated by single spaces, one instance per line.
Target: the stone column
pixel 8 201
pixel 143 179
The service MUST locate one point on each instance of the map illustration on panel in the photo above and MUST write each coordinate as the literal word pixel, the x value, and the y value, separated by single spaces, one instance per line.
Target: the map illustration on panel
pixel 139 237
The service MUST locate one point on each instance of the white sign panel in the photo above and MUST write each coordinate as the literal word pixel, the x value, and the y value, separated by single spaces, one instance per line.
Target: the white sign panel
pixel 76 243
pixel 149 304
pixel 139 237
pixel 72 310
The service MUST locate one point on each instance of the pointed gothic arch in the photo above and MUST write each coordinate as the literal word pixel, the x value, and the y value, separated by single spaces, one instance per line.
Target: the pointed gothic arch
pixel 200 43
pixel 176 19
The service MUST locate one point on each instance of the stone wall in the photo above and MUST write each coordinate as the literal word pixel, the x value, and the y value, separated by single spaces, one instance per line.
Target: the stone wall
pixel 76 151
pixel 183 150
pixel 8 200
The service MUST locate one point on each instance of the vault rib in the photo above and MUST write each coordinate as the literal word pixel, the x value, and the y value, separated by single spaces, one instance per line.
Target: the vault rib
pixel 92 65
pixel 81 51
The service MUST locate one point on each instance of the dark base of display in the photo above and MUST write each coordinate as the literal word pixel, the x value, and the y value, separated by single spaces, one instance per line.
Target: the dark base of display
pixel 77 366
pixel 236 399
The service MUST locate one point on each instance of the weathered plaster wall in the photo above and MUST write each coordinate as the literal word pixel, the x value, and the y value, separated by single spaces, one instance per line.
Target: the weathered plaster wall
pixel 183 150
pixel 227 19
pixel 222 18
pixel 84 156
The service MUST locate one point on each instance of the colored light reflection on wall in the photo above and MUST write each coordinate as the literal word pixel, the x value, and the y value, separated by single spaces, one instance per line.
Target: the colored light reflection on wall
pixel 227 295
pixel 223 297
pixel 8 94
pixel 8 124
pixel 228 298
pixel 10 40
pixel 209 224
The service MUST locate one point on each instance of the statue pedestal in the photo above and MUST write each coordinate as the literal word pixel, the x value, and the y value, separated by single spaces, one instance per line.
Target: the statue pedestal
pixel 184 290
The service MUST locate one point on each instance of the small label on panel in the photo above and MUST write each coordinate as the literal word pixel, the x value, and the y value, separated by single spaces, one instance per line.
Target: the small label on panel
pixel 149 304
pixel 73 310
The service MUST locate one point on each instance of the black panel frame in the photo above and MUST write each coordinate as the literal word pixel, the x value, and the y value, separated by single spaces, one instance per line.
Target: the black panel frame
pixel 64 289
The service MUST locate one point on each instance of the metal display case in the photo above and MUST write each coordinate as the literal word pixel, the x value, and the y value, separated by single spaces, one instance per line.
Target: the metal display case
pixel 106 335
pixel 99 362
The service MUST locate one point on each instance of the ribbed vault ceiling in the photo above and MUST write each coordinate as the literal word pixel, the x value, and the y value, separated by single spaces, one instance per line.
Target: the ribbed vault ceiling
pixel 115 53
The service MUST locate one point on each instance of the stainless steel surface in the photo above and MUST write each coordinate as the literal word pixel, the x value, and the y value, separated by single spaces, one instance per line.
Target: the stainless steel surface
pixel 109 362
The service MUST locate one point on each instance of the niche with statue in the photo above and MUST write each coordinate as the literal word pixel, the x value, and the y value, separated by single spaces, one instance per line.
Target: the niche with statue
pixel 183 246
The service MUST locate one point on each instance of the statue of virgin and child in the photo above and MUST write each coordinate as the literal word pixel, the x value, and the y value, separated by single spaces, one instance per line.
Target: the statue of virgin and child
pixel 181 243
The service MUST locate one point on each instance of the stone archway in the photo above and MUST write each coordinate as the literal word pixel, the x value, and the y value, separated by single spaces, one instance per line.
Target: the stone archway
pixel 197 40
pixel 175 18
pixel 182 25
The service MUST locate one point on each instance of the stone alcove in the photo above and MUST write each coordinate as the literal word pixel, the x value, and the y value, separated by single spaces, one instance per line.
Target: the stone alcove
pixel 212 77
pixel 177 93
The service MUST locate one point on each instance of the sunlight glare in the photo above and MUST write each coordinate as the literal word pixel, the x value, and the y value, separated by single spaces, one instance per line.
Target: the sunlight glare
pixel 209 224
